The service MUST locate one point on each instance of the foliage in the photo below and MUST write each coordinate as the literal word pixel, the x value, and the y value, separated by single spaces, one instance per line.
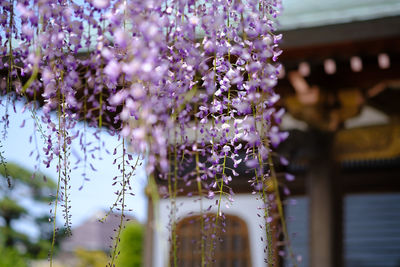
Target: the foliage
pixel 33 186
pixel 39 186
pixel 131 246
pixel 91 258
pixel 10 210
pixel 181 83
pixel 10 257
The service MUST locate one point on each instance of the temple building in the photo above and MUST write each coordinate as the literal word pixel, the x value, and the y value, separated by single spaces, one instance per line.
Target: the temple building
pixel 341 91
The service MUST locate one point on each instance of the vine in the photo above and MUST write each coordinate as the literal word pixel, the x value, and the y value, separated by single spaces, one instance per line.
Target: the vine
pixel 181 83
pixel 117 238
pixel 3 163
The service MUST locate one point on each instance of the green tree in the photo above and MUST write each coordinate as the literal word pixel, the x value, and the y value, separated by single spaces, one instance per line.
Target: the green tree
pixel 10 257
pixel 131 246
pixel 89 258
pixel 35 188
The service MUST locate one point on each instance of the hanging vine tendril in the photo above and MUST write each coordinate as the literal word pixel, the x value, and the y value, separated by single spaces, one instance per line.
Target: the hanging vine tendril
pixel 181 82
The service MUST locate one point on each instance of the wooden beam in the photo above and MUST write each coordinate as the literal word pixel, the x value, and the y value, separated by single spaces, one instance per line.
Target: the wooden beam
pixel 368 143
pixel 355 31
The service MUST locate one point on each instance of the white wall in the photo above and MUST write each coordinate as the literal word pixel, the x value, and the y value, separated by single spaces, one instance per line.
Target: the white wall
pixel 244 206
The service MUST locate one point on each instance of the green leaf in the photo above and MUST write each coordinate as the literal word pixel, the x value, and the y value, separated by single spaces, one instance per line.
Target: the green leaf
pixel 20 174
pixel 10 209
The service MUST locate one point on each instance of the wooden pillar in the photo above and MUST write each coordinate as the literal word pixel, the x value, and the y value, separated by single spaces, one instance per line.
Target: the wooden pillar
pixel 325 204
pixel 149 235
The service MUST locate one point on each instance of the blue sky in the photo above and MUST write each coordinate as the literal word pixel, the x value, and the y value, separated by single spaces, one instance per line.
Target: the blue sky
pixel 96 194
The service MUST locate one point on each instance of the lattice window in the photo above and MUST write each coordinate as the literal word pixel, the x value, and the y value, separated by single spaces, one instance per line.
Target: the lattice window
pixel 232 250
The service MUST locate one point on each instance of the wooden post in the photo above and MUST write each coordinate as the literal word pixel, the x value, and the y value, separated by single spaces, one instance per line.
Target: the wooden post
pixel 149 235
pixel 325 205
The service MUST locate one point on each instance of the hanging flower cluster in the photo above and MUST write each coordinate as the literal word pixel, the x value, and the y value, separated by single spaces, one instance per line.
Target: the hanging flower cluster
pixel 182 82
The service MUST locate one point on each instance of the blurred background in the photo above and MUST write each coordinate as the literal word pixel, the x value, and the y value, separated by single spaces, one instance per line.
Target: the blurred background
pixel 27 207
pixel 341 90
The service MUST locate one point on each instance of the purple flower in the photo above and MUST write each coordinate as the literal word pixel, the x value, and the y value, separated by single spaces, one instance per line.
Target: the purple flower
pixel 121 38
pixel 113 69
pixel 100 4
pixel 289 177
pixel 276 136
pixel 134 67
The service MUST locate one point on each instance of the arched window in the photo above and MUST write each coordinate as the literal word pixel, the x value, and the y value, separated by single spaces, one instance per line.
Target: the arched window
pixel 232 250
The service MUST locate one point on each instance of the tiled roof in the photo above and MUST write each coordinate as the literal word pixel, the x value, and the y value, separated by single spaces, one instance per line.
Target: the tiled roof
pixel 93 234
pixel 310 13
